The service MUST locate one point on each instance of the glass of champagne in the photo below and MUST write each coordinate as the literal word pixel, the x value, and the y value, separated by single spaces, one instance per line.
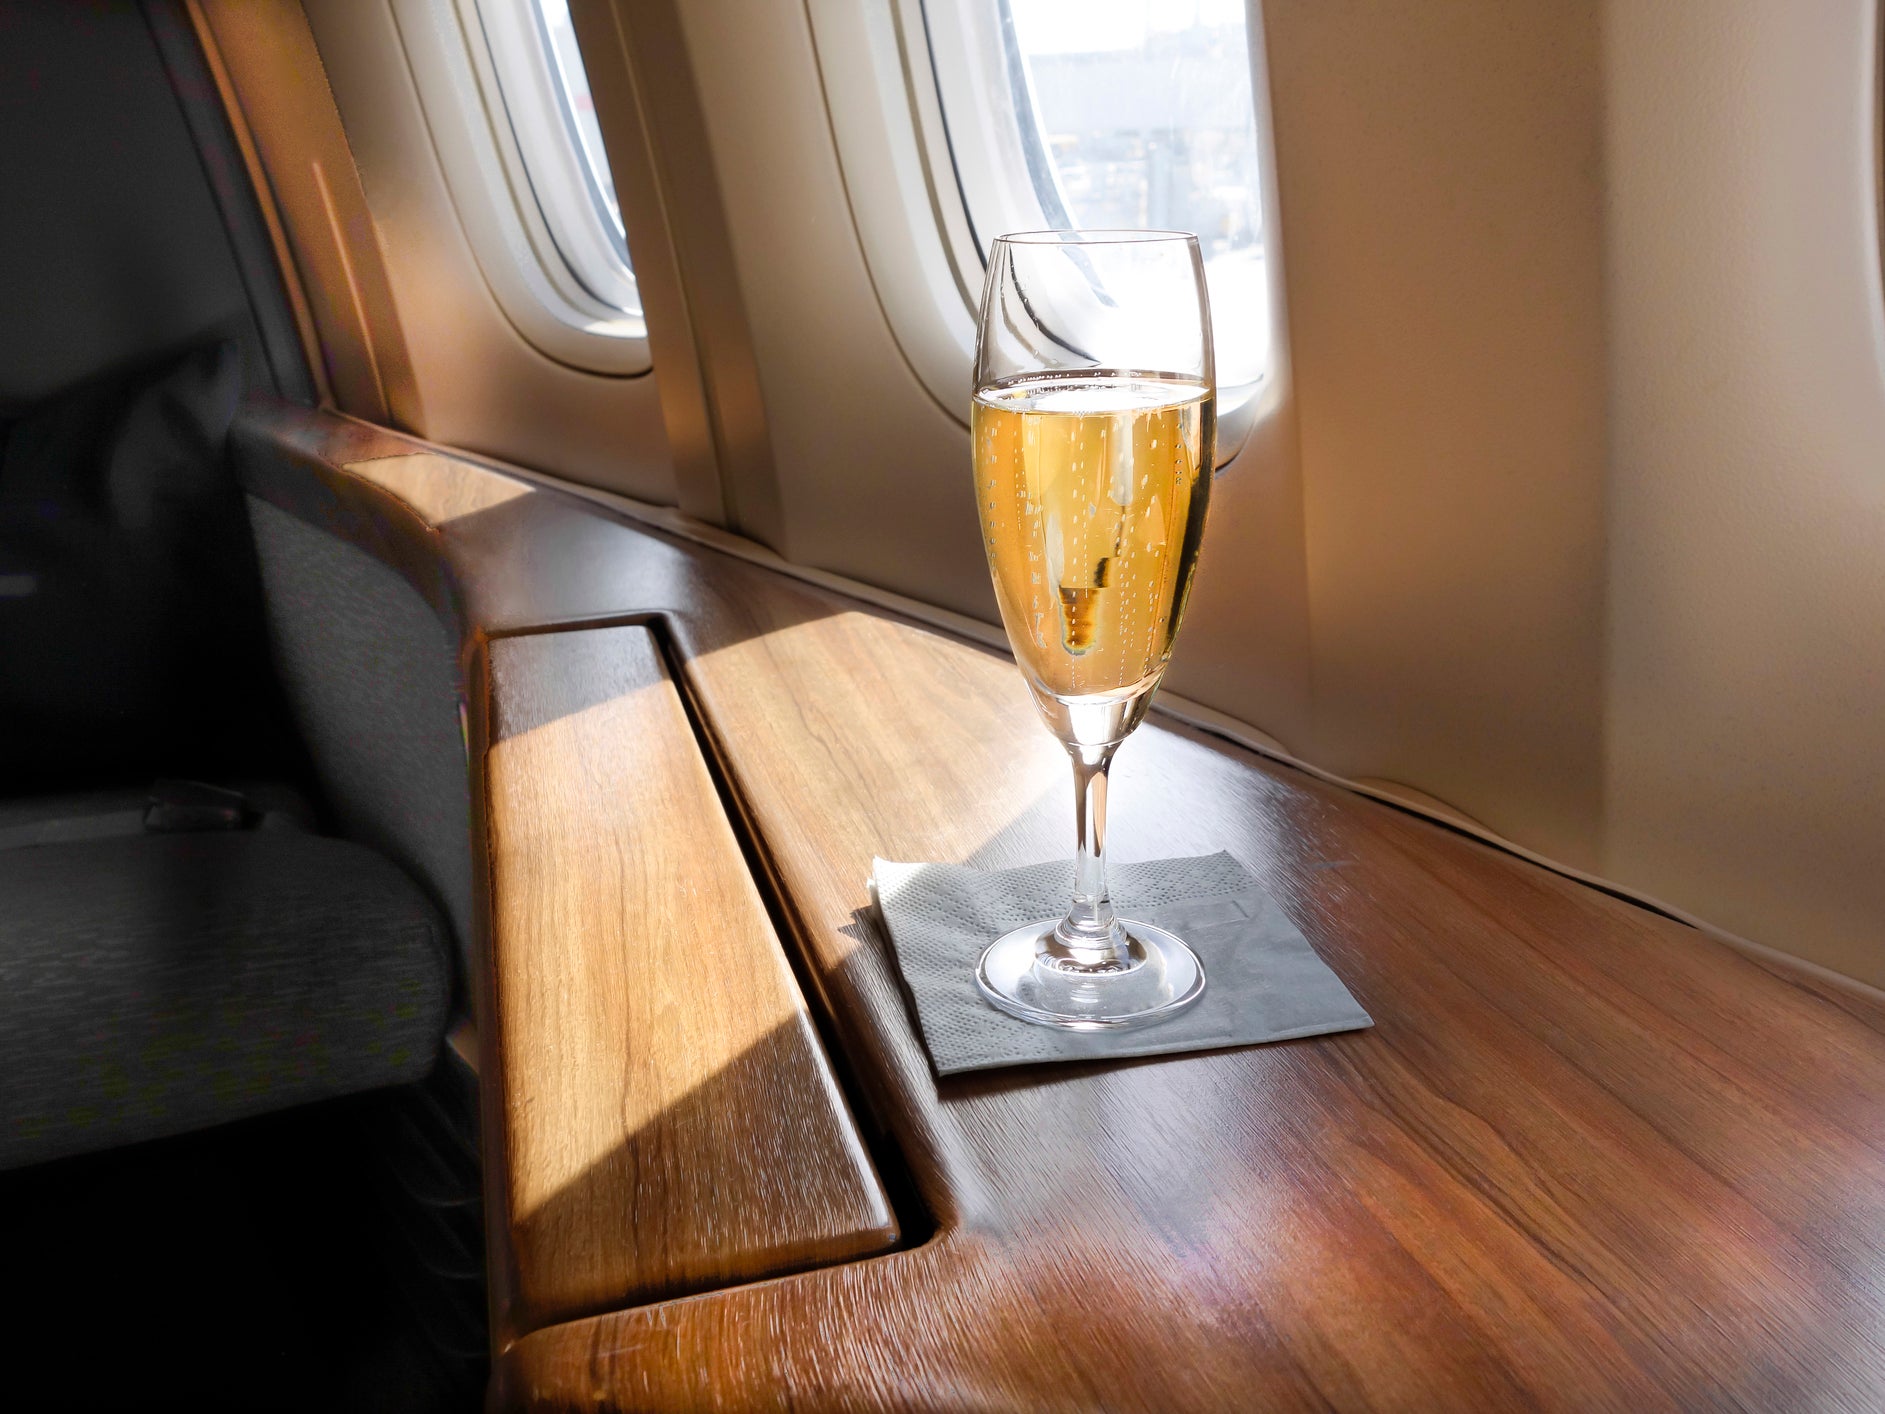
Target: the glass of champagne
pixel 1094 428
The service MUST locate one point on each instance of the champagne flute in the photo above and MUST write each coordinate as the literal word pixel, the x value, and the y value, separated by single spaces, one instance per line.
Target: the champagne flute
pixel 1094 429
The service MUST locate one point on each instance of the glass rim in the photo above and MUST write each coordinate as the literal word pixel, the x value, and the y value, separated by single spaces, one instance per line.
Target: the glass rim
pixel 1098 235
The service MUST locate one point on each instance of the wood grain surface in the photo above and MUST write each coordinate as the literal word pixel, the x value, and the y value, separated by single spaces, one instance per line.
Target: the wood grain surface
pixel 1587 1158
pixel 671 1123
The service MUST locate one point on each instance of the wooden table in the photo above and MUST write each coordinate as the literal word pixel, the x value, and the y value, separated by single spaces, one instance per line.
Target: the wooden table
pixel 1586 1158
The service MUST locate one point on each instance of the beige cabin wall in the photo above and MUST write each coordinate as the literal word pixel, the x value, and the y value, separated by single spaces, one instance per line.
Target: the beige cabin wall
pixel 1589 372
pixel 1439 165
pixel 1745 771
pixel 867 474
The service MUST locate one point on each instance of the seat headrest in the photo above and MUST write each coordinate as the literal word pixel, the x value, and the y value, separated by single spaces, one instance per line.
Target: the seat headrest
pixel 112 249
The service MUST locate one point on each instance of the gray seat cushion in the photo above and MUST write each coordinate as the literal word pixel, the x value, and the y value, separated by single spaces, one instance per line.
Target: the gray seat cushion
pixel 151 984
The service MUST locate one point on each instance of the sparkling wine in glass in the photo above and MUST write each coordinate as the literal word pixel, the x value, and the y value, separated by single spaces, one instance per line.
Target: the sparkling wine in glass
pixel 1094 428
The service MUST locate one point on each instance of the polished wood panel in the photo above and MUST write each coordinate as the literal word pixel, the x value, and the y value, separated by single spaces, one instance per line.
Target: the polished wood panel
pixel 670 1121
pixel 1586 1158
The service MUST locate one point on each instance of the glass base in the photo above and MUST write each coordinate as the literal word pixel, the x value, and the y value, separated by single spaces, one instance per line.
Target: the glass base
pixel 1160 979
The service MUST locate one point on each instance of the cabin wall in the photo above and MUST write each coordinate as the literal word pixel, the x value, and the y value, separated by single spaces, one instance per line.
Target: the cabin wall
pixel 864 467
pixel 1440 190
pixel 1745 761
pixel 1586 325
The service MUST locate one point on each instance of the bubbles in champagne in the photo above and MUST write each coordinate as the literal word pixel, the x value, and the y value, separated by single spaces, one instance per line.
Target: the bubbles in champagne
pixel 1092 489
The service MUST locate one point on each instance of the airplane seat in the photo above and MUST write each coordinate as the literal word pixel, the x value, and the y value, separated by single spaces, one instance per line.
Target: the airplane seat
pixel 173 954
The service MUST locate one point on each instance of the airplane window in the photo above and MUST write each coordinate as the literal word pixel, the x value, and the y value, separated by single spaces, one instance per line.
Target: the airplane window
pixel 1106 113
pixel 546 97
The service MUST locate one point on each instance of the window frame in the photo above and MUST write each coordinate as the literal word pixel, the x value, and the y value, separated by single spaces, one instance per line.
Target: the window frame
pixel 449 48
pixel 905 183
pixel 534 93
pixel 886 118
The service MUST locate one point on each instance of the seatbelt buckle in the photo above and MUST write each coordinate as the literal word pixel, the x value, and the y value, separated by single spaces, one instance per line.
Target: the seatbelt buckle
pixel 188 807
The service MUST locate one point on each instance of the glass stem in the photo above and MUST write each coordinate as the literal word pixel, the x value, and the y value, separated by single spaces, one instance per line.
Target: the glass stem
pixel 1090 936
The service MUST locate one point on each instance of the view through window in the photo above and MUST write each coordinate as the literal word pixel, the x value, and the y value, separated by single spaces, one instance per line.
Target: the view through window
pixel 1114 113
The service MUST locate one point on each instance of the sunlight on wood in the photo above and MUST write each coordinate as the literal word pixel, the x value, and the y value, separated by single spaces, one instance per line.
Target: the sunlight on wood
pixel 661 1068
pixel 440 489
pixel 653 921
pixel 931 735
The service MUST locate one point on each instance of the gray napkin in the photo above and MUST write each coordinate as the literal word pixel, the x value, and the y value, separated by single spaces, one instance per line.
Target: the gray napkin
pixel 1263 982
